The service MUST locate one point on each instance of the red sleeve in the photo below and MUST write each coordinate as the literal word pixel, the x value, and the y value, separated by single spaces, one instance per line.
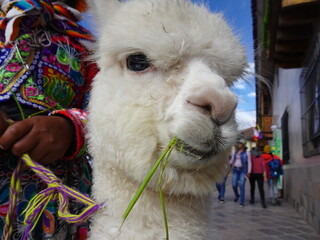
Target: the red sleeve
pixel 78 118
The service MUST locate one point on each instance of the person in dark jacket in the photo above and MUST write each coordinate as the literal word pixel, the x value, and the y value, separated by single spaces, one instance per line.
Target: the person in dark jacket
pixel 241 168
pixel 259 175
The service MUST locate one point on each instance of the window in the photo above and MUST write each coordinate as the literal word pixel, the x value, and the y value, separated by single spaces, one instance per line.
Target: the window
pixel 285 137
pixel 310 97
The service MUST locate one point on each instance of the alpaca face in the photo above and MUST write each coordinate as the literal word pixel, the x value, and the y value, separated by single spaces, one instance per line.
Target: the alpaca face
pixel 165 71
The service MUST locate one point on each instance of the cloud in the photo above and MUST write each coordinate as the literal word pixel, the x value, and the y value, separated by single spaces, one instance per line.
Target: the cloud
pixel 251 94
pixel 251 67
pixel 240 84
pixel 247 99
pixel 247 80
pixel 242 100
pixel 245 119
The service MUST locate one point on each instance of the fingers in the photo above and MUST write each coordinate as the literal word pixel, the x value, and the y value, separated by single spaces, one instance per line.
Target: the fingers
pixel 3 122
pixel 44 151
pixel 26 144
pixel 13 133
pixel 39 150
pixel 44 138
pixel 44 157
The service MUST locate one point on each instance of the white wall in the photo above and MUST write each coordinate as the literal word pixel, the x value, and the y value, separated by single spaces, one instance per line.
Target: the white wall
pixel 286 96
pixel 301 175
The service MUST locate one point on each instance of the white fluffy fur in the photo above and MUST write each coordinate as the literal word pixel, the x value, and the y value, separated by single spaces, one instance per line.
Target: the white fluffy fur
pixel 133 115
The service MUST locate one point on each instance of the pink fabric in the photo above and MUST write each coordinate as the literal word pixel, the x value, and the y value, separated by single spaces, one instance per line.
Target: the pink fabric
pixel 258 164
pixel 238 164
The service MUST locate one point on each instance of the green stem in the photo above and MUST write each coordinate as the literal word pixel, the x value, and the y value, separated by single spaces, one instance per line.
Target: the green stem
pixel 147 179
pixel 164 164
pixel 43 111
pixel 19 105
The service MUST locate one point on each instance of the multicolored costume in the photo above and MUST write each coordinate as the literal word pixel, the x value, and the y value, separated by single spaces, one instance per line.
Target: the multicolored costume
pixel 44 64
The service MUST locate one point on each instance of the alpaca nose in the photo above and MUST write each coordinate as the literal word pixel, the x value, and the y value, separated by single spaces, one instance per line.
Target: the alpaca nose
pixel 219 103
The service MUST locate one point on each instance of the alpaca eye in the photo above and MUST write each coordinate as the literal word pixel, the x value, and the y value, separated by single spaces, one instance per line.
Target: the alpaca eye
pixel 138 62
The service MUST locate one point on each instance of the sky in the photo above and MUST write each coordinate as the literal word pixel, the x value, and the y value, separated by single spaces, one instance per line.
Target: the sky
pixel 238 15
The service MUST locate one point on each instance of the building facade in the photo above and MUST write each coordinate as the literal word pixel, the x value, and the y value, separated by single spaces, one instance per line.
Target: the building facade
pixel 287 44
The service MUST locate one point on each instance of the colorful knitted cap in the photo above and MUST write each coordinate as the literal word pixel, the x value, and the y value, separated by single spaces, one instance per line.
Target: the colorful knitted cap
pixel 266 149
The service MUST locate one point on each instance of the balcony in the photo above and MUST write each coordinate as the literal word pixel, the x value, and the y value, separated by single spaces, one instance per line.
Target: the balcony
pixel 266 122
pixel 292 3
pixel 289 30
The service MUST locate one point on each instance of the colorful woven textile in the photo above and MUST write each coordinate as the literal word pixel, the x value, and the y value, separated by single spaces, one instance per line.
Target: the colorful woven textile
pixel 52 76
pixel 43 61
pixel 19 16
pixel 75 173
pixel 55 191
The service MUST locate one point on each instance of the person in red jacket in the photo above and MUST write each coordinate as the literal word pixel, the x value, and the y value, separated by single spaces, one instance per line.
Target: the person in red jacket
pixel 258 174
pixel 274 171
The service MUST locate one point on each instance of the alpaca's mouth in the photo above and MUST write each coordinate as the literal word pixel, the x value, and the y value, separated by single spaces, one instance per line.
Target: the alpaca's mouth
pixel 194 152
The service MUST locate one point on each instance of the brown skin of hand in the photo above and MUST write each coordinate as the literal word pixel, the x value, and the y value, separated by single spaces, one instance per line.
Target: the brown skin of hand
pixel 4 122
pixel 44 138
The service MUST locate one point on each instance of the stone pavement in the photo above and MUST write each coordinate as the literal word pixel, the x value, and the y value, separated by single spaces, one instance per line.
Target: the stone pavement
pixel 231 222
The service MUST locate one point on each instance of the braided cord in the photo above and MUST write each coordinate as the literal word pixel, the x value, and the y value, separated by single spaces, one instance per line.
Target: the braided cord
pixel 14 192
pixel 55 191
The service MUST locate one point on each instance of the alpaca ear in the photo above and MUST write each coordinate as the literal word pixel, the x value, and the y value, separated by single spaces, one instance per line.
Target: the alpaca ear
pixel 103 9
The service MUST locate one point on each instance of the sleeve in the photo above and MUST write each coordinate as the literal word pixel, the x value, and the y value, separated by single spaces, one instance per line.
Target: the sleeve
pixel 263 164
pixel 78 118
pixel 231 162
pixel 249 162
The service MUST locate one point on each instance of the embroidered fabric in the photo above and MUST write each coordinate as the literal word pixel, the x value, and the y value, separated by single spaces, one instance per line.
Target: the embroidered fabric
pixel 43 62
pixel 54 78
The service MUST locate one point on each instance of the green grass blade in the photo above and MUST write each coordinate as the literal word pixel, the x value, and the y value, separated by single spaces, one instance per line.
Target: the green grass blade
pixel 147 179
pixel 19 105
pixel 181 148
pixel 164 164
pixel 9 121
pixel 42 111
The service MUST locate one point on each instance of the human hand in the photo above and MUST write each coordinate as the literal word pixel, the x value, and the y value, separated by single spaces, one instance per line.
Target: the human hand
pixel 4 122
pixel 44 138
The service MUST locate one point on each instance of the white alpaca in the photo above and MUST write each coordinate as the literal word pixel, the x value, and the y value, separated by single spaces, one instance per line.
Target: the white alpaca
pixel 165 70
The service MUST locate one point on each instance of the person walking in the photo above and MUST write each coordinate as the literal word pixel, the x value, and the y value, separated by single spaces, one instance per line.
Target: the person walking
pixel 221 186
pixel 274 171
pixel 241 168
pixel 259 175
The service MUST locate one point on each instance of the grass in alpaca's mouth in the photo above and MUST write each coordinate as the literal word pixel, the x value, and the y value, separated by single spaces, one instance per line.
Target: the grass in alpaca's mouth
pixel 193 152
pixel 163 159
pixel 181 146
pixel 184 148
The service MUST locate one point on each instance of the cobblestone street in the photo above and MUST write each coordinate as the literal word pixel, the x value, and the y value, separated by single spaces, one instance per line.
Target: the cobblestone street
pixel 252 222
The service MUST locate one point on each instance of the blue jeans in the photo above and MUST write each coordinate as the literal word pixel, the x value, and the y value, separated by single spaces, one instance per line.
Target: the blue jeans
pixel 273 187
pixel 221 187
pixel 239 179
